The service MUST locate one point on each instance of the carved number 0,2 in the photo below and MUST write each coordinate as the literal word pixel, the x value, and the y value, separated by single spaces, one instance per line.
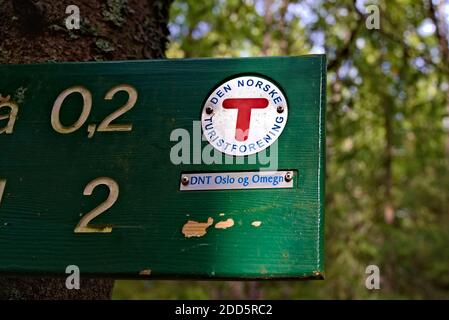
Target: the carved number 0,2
pixel 83 225
pixel 105 125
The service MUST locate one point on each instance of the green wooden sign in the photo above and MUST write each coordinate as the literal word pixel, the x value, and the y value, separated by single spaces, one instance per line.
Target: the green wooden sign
pixel 210 168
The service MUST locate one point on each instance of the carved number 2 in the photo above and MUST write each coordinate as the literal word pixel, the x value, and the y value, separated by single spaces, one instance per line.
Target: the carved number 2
pixel 2 188
pixel 83 225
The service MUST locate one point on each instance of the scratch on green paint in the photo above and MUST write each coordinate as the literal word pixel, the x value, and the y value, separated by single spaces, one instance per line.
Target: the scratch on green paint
pixel 19 94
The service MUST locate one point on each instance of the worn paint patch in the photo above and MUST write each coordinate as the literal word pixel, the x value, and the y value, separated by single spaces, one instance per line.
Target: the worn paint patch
pixel 195 228
pixel 256 223
pixel 145 272
pixel 224 224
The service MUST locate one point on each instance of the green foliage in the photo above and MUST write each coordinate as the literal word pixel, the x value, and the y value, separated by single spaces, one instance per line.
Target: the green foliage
pixel 387 98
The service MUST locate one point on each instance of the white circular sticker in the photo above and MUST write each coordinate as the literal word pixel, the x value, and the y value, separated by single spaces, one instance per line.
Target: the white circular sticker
pixel 244 115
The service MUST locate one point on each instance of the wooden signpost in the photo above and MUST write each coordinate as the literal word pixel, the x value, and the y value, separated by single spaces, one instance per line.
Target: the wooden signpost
pixel 102 166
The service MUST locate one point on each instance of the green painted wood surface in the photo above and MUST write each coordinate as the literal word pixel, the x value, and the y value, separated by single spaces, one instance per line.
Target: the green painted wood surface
pixel 46 173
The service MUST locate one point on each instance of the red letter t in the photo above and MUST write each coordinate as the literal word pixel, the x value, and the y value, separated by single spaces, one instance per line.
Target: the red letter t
pixel 244 106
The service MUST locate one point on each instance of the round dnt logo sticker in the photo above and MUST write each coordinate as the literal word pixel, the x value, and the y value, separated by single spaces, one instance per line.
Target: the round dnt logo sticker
pixel 244 115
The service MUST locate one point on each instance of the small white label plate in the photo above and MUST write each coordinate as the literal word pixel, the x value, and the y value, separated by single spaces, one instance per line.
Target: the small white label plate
pixel 236 180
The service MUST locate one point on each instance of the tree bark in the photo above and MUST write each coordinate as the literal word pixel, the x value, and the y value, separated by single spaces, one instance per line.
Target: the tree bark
pixel 34 31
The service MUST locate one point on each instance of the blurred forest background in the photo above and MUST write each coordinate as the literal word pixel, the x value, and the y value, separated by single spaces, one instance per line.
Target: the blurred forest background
pixel 387 138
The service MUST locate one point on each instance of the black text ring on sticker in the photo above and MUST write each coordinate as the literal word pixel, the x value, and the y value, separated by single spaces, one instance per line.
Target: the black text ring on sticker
pixel 83 225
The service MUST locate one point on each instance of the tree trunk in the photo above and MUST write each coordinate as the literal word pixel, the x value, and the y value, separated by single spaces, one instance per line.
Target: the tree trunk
pixel 35 31
pixel 388 162
pixel 439 19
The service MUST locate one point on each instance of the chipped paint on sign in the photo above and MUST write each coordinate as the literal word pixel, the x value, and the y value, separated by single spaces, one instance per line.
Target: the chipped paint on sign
pixel 195 228
pixel 256 223
pixel 145 272
pixel 224 224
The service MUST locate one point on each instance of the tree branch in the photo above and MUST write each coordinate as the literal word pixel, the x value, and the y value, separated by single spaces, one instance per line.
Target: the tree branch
pixel 440 28
pixel 345 51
